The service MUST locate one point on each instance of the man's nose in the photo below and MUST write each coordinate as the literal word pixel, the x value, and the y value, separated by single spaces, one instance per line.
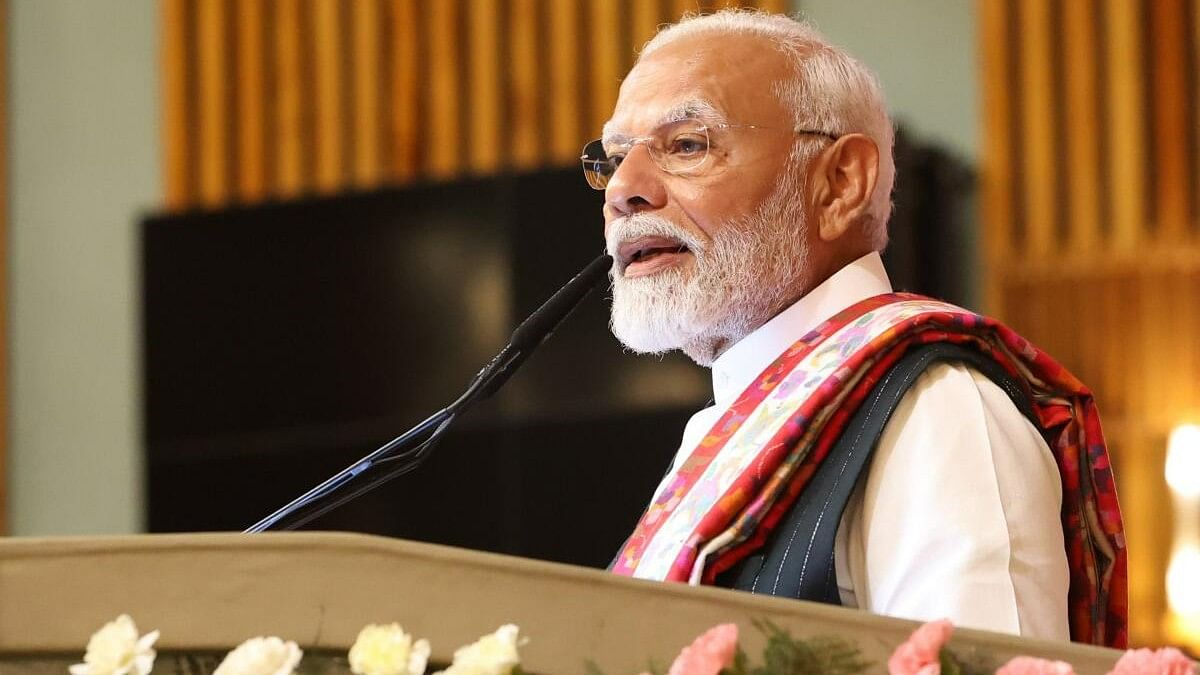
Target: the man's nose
pixel 636 185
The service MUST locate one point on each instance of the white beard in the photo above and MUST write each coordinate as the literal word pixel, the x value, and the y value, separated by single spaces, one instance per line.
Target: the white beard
pixel 752 269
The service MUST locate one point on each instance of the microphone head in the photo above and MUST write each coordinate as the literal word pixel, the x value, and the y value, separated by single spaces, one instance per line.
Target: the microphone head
pixel 542 322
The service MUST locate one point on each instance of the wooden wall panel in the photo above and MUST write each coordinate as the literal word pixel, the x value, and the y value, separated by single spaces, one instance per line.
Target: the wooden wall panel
pixel 443 130
pixel 404 89
pixel 281 98
pixel 214 104
pixel 1038 140
pixel 998 193
pixel 290 141
pixel 1126 112
pixel 525 87
pixel 174 31
pixel 645 18
pixel 566 136
pixel 1104 96
pixel 250 81
pixel 1171 125
pixel 368 86
pixel 775 6
pixel 4 406
pixel 484 153
pixel 607 64
pixel 1081 100
pixel 329 146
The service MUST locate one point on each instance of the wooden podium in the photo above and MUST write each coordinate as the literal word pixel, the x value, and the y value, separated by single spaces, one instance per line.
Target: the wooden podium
pixel 209 592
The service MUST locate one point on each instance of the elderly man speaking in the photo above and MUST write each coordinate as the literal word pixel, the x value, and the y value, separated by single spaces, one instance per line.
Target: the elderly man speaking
pixel 876 449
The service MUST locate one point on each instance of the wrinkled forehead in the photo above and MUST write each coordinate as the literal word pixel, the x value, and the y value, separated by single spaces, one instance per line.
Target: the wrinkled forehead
pixel 713 78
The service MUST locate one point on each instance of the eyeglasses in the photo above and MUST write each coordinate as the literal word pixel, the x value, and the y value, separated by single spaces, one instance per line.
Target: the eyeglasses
pixel 680 149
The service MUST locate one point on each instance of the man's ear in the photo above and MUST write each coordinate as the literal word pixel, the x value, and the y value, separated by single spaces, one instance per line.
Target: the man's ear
pixel 844 178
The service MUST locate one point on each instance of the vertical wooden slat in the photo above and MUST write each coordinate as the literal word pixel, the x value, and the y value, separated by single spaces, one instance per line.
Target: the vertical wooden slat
pixel 404 108
pixel 997 160
pixel 681 7
pixel 4 275
pixel 605 58
pixel 1188 361
pixel 1180 285
pixel 442 141
pixel 1195 85
pixel 1114 356
pixel 1083 131
pixel 1168 28
pixel 485 115
pixel 1145 509
pixel 523 85
pixel 367 84
pixel 177 120
pixel 564 92
pixel 775 6
pixel 1154 326
pixel 251 103
pixel 644 21
pixel 290 143
pixel 1038 138
pixel 327 49
pixel 211 24
pixel 1126 143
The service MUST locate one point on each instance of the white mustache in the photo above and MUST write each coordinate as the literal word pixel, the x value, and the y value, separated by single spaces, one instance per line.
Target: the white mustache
pixel 648 225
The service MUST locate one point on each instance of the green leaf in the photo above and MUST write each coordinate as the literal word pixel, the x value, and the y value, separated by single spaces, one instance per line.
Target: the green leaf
pixel 740 665
pixel 786 655
pixel 950 665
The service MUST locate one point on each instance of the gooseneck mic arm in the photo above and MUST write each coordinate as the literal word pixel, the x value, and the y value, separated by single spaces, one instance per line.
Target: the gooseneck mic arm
pixel 409 450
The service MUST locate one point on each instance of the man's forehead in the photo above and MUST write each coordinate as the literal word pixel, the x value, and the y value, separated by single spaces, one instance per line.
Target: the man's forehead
pixel 730 75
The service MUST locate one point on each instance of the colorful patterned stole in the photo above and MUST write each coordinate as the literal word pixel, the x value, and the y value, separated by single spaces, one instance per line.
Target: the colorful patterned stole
pixel 727 497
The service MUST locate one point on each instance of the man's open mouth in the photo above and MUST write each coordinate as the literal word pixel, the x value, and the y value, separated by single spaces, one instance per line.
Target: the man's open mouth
pixel 646 255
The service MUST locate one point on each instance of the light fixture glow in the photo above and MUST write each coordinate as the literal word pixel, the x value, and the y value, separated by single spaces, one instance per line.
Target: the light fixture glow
pixel 1183 581
pixel 1183 460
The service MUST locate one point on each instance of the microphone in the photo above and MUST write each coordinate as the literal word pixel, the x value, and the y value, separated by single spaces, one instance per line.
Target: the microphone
pixel 540 325
pixel 412 448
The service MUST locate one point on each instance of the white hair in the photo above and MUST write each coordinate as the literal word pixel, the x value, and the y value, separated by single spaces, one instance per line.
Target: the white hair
pixel 830 91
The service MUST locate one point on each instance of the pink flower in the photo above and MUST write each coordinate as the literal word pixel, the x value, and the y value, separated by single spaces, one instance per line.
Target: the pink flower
pixel 709 653
pixel 919 654
pixel 1027 665
pixel 1167 661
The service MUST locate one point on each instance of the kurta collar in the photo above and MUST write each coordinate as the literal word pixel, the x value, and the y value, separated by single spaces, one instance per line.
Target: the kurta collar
pixel 734 370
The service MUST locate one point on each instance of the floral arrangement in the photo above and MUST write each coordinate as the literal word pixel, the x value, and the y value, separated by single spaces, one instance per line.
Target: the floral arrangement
pixel 716 652
pixel 925 653
pixel 118 649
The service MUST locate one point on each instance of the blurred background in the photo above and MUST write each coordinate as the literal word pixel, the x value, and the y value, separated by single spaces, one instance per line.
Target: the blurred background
pixel 247 241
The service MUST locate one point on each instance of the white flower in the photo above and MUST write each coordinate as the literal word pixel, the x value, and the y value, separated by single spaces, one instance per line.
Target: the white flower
pixel 388 650
pixel 494 654
pixel 261 656
pixel 116 649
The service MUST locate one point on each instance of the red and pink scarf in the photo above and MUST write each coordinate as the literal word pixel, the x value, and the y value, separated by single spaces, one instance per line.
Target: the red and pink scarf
pixel 726 498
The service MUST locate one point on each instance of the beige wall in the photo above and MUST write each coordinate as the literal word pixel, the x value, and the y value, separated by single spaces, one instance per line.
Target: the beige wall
pixel 925 52
pixel 84 163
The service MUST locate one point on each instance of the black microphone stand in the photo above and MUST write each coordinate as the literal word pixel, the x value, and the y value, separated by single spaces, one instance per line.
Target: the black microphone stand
pixel 409 450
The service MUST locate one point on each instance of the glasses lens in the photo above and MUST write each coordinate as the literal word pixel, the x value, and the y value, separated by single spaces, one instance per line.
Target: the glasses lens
pixel 596 166
pixel 682 147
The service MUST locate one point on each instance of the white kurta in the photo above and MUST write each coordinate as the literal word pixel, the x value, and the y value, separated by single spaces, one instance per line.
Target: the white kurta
pixel 958 517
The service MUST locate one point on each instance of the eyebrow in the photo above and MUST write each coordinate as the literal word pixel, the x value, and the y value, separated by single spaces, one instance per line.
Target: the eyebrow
pixel 696 108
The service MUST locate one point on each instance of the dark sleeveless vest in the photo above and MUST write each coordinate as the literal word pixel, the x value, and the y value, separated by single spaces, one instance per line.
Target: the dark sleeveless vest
pixel 797 561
